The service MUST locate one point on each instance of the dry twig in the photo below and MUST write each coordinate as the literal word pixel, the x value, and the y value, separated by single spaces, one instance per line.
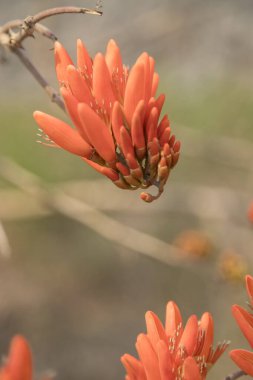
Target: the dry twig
pixel 27 27
pixel 94 219
pixel 14 32
pixel 5 249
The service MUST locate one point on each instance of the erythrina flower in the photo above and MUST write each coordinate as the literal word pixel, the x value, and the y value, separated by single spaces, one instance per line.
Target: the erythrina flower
pixel 174 352
pixel 116 114
pixel 244 319
pixel 19 362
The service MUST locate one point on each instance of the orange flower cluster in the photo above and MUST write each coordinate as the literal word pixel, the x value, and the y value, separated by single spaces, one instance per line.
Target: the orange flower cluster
pixel 116 114
pixel 174 352
pixel 244 319
pixel 19 363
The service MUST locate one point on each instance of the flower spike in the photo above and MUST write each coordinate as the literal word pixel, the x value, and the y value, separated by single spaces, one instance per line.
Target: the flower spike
pixel 173 352
pixel 116 117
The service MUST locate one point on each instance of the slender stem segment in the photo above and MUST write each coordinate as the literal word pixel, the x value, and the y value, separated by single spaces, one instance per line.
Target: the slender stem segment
pixel 11 25
pixel 61 10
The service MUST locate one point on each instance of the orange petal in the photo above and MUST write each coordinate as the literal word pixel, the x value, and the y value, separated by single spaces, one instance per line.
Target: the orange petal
pixel 148 357
pixel 177 146
pixel 151 126
pixel 166 150
pixel 146 197
pixel 151 68
pixel 108 172
pixel 137 126
pixel 155 83
pixel 144 59
pixel 160 102
pixel 249 286
pixel 150 105
pixel 173 319
pixel 164 123
pixel 84 62
pixel 165 137
pixel 19 362
pixel 62 60
pixel 102 86
pixel 172 140
pixel 244 360
pixel 126 142
pixel 134 166
pixel 163 169
pixel 138 137
pixel 191 369
pixel 71 105
pixel 62 134
pixel 117 120
pixel 98 133
pixel 165 361
pixel 175 158
pixel 78 86
pixel 245 321
pixel 133 367
pixel 114 63
pixel 206 326
pixel 155 329
pixel 154 151
pixel 122 169
pixel 135 90
pixel 190 334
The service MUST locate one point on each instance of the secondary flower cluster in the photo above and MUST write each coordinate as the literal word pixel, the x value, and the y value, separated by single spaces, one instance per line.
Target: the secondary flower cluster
pixel 244 319
pixel 116 114
pixel 174 352
pixel 170 352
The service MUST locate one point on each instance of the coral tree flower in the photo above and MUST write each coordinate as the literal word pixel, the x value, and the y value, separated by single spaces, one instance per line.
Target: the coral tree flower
pixel 19 362
pixel 244 319
pixel 174 352
pixel 118 130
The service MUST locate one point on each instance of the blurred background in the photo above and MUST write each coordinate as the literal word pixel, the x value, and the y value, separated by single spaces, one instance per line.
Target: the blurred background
pixel 78 297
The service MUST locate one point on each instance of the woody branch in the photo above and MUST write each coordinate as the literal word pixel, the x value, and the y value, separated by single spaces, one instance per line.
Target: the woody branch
pixel 13 33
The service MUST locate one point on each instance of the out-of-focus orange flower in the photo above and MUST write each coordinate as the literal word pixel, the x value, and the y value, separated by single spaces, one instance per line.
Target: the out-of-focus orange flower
pixel 116 114
pixel 244 319
pixel 232 266
pixel 19 362
pixel 250 212
pixel 194 243
pixel 174 352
